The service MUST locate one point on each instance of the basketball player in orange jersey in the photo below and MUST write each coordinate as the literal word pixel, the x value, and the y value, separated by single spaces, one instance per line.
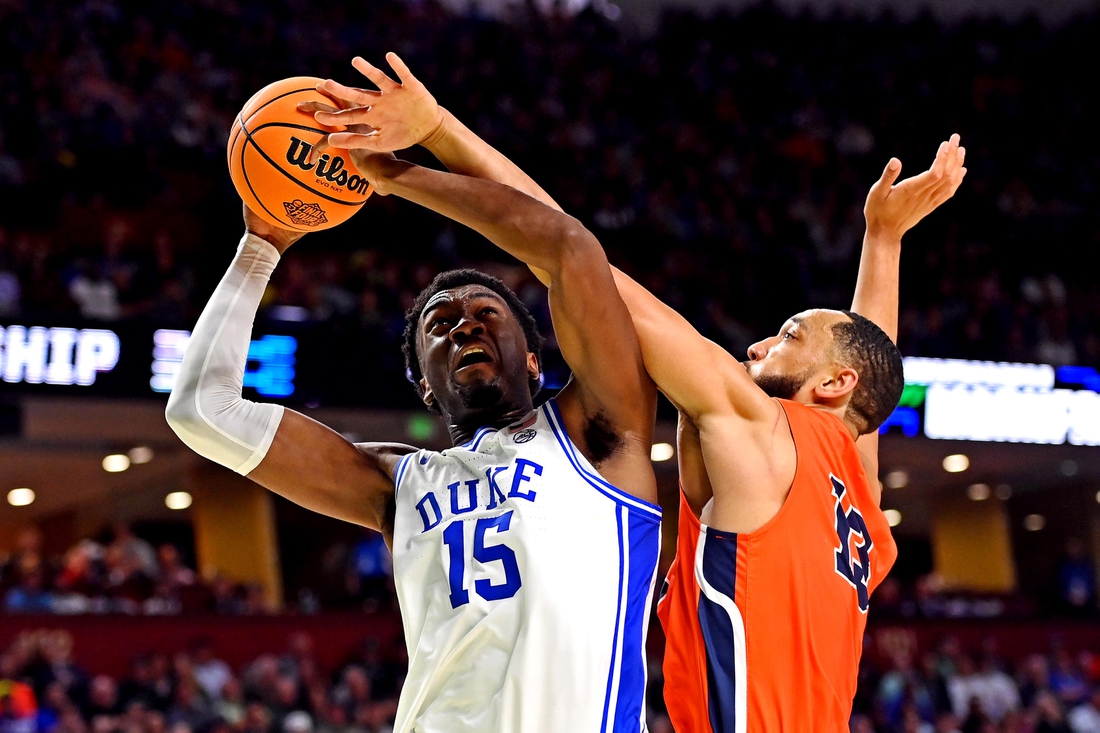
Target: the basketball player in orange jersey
pixel 781 538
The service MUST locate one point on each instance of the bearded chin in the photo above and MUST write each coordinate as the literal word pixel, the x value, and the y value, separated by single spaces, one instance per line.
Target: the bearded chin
pixel 482 395
pixel 781 386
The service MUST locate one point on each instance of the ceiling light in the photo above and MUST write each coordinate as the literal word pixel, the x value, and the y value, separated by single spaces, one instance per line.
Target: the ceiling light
pixel 20 497
pixel 956 463
pixel 116 462
pixel 140 454
pixel 1069 467
pixel 897 479
pixel 178 500
pixel 978 492
pixel 661 451
pixel 1004 492
pixel 893 517
pixel 1034 522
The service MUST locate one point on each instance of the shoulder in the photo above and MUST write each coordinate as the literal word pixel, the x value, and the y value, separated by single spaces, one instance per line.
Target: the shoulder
pixel 386 455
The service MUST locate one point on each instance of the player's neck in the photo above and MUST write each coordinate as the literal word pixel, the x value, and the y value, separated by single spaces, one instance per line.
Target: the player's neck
pixel 462 428
pixel 841 412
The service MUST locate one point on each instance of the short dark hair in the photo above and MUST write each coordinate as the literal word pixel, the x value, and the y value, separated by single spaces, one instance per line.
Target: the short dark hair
pixel 457 279
pixel 866 348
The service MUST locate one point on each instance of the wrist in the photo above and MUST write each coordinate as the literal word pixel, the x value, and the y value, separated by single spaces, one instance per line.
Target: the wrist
pixel 281 241
pixel 385 174
pixel 440 132
pixel 882 238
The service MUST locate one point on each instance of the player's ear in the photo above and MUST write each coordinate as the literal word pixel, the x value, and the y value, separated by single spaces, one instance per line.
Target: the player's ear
pixel 837 385
pixel 532 366
pixel 426 392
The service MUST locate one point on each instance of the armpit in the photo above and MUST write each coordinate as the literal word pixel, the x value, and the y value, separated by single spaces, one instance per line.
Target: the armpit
pixel 601 439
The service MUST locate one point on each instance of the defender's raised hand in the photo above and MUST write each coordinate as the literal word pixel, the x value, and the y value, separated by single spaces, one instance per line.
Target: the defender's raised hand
pixel 894 208
pixel 399 115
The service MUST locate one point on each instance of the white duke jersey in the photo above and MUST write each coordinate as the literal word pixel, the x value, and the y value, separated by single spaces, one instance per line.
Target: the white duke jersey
pixel 524 580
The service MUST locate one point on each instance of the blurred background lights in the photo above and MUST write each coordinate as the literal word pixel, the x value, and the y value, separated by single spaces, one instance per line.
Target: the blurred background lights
pixel 893 517
pixel 178 500
pixel 140 454
pixel 1034 522
pixel 20 497
pixel 956 463
pixel 979 492
pixel 1069 467
pixel 116 463
pixel 662 451
pixel 897 479
pixel 1004 492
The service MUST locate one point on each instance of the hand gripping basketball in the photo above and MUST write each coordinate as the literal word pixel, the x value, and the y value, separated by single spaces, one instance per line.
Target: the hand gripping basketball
pixel 270 161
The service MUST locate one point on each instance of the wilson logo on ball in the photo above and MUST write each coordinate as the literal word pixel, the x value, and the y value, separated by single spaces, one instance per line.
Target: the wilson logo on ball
pixel 329 168
pixel 303 214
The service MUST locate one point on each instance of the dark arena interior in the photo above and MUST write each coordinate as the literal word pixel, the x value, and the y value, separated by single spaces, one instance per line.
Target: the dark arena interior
pixel 721 153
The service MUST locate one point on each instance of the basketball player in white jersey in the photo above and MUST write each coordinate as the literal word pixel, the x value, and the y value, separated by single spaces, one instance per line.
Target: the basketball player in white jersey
pixel 526 555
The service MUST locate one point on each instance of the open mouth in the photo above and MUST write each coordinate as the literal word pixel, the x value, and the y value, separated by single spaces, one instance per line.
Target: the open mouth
pixel 473 355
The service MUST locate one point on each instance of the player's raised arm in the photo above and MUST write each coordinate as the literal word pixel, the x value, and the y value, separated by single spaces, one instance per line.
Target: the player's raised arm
pixel 401 114
pixel 404 113
pixel 592 324
pixel 283 450
pixel 891 210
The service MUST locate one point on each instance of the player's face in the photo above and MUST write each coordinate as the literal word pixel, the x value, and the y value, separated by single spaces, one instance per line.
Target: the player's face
pixel 473 353
pixel 783 364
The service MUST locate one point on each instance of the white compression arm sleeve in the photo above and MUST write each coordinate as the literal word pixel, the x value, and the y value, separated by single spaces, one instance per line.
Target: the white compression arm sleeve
pixel 206 409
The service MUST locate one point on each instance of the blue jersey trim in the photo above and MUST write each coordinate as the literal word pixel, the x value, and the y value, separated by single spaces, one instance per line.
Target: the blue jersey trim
pixel 399 474
pixel 597 481
pixel 479 436
pixel 643 548
pixel 618 624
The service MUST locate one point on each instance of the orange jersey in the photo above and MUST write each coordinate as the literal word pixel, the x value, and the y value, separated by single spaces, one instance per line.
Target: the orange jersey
pixel 765 629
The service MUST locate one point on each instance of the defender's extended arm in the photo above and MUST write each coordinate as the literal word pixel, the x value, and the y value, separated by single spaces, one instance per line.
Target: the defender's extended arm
pixel 591 321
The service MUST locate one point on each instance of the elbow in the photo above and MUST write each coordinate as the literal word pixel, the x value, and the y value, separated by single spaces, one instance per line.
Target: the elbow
pixel 577 247
pixel 182 415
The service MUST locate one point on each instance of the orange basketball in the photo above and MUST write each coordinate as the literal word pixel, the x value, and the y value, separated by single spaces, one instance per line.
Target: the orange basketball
pixel 267 150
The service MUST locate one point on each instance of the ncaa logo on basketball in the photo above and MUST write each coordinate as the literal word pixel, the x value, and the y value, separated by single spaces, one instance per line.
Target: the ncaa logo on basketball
pixel 524 436
pixel 303 214
pixel 853 557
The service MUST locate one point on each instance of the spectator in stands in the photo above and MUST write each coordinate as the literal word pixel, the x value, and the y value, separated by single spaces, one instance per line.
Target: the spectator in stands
pixel 1067 682
pixel 1051 718
pixel 370 571
pixel 1076 580
pixel 29 594
pixel 102 698
pixel 1085 718
pixel 211 673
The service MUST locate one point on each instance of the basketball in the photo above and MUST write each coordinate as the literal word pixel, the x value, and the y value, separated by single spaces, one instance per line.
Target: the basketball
pixel 268 149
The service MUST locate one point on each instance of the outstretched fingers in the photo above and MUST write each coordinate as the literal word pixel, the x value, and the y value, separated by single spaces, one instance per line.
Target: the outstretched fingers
pixel 881 188
pixel 401 69
pixel 348 96
pixel 375 74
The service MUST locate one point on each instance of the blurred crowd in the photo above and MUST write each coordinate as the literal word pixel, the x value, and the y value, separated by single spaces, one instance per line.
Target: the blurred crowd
pixel 119 572
pixel 954 690
pixel 722 160
pixel 43 690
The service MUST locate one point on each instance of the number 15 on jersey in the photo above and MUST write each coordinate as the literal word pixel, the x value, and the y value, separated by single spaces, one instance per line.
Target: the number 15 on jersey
pixel 454 537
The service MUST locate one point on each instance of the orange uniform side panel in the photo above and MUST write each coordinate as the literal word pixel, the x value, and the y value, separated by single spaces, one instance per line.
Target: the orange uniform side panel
pixel 685 662
pixel 802 589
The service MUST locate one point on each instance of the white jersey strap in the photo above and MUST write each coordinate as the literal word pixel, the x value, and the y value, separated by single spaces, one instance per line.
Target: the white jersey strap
pixel 206 409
